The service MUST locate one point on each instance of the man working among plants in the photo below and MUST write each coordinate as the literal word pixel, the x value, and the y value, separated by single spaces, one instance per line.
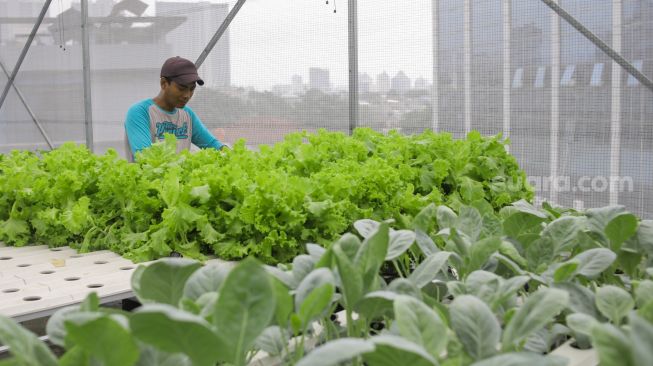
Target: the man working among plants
pixel 148 120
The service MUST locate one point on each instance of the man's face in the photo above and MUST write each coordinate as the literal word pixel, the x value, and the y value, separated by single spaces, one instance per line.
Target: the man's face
pixel 176 94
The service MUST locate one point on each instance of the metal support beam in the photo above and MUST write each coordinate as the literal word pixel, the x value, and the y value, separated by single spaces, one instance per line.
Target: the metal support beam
pixel 632 70
pixel 467 63
pixel 86 62
pixel 435 94
pixel 353 65
pixel 555 107
pixel 218 34
pixel 29 110
pixel 506 11
pixel 615 110
pixel 10 82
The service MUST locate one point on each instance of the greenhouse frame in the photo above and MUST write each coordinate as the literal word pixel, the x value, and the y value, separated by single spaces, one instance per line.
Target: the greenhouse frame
pixel 427 182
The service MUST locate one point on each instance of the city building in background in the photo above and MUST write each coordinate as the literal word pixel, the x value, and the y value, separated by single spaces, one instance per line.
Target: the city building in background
pixel 319 79
pixel 202 20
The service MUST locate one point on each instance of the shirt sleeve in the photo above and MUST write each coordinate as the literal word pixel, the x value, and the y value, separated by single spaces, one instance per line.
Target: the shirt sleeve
pixel 201 136
pixel 137 127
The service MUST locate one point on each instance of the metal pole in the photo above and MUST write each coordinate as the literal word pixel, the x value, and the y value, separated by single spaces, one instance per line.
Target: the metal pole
pixel 435 94
pixel 615 110
pixel 467 63
pixel 555 106
pixel 218 34
pixel 353 65
pixel 600 44
pixel 507 28
pixel 29 110
pixel 86 62
pixel 24 52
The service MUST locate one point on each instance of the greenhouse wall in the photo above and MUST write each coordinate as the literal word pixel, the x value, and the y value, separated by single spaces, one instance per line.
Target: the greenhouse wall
pixel 576 119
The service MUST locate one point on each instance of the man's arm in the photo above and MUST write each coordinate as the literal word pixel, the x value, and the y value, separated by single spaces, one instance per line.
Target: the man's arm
pixel 137 126
pixel 201 135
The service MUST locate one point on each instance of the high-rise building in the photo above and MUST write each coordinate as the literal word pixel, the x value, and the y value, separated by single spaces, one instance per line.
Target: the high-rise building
pixel 319 79
pixel 364 82
pixel 421 84
pixel 400 83
pixel 18 33
pixel 189 39
pixel 383 83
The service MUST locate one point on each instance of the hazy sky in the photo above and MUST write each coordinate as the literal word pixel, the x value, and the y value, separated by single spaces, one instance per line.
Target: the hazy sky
pixel 271 40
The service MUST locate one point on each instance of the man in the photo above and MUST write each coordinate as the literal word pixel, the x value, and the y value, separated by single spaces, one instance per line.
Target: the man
pixel 148 120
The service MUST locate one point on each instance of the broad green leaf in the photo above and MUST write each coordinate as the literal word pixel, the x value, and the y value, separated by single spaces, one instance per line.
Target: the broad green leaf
pixel 644 293
pixel 350 244
pixel 91 303
pixel 55 328
pixel 101 338
pixel 420 324
pixel 581 299
pixel 245 307
pixel 614 302
pixel 642 339
pixel 400 241
pixel 565 271
pixel 208 278
pixel 521 359
pixel 392 351
pixel 425 243
pixel 612 345
pixel 475 325
pixel 336 352
pixel 563 232
pixel 481 251
pixel 594 261
pixel 620 229
pixel 581 323
pixel 75 356
pixel 425 219
pixel 457 288
pixel 313 280
pixel 284 302
pixel 163 281
pixel 377 304
pixel 525 207
pixel 366 227
pixel 150 356
pixel 175 331
pixel 519 223
pixel 446 217
pixel 508 249
pixel 302 265
pixel 315 251
pixel 470 222
pixel 285 277
pixel 316 303
pixel 484 285
pixel 645 236
pixel 352 281
pixel 272 340
pixel 537 311
pixel 371 255
pixel 429 268
pixel 25 346
pixel 405 287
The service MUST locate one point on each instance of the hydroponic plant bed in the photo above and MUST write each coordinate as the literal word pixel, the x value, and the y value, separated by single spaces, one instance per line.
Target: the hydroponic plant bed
pixel 235 203
pixel 484 288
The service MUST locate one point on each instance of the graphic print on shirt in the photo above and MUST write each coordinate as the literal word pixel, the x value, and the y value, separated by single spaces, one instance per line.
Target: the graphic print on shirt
pixel 181 132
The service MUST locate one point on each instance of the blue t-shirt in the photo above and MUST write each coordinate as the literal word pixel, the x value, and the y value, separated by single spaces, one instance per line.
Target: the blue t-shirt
pixel 147 123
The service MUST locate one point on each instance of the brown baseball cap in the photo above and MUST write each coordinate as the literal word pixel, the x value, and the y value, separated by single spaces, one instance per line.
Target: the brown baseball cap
pixel 181 71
